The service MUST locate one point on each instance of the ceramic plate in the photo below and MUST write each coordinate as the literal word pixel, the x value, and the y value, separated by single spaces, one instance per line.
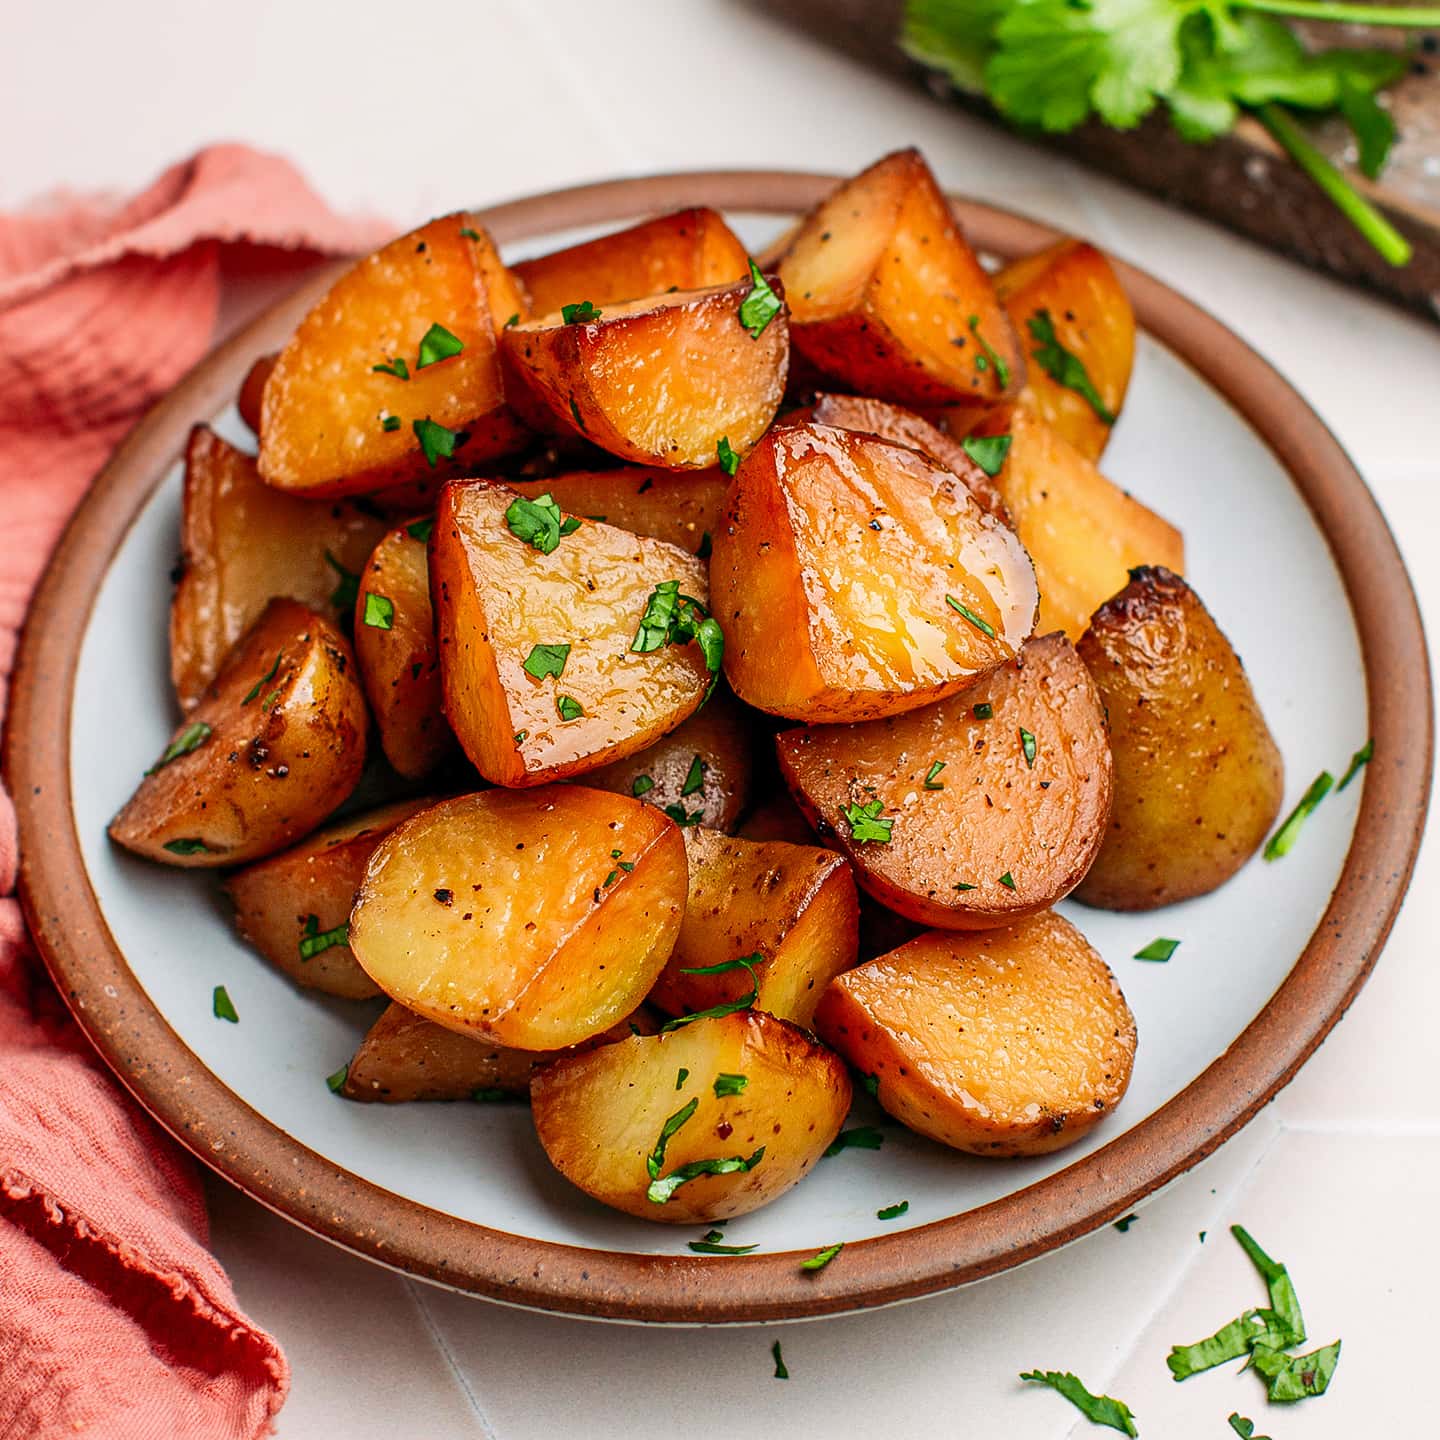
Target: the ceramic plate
pixel 1292 556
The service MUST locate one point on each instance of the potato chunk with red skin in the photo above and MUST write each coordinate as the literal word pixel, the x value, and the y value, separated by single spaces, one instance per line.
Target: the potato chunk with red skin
pixel 1010 822
pixel 888 299
pixel 308 891
pixel 497 598
pixel 1070 288
pixel 1010 1042
pixel 659 381
pixel 687 250
pixel 398 654
pixel 792 906
pixel 328 402
pixel 508 914
pixel 274 746
pixel 599 1116
pixel 843 572
pixel 242 544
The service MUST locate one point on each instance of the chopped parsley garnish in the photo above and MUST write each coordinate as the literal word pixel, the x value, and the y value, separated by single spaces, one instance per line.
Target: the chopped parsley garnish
pixel 983 711
pixel 683 817
pixel 892 1212
pixel 1284 838
pixel 987 451
pixel 437 344
pixel 270 674
pixel 313 939
pixel 1124 1223
pixel 379 612
pixel 656 1159
pixel 694 777
pixel 512 322
pixel 1098 1409
pixel 730 1085
pixel 186 847
pixel 1008 880
pixel 336 1082
pixel 984 626
pixel 580 314
pixel 641 785
pixel 1159 949
pixel 1244 1427
pixel 546 660
pixel 961 885
pixel 728 1007
pixel 862 1137
pixel 822 1258
pixel 1002 370
pixel 436 440
pixel 865 822
pixel 223 1007
pixel 192 737
pixel 729 460
pixel 1358 761
pixel 421 529
pixel 930 782
pixel 610 879
pixel 390 423
pixel 659 1191
pixel 519 736
pixel 1027 744
pixel 671 618
pixel 681 1076
pixel 711 1245
pixel 781 1373
pixel 538 522
pixel 1295 1377
pixel 760 306
pixel 397 367
pixel 468 233
pixel 569 708
pixel 1063 367
pixel 871 1084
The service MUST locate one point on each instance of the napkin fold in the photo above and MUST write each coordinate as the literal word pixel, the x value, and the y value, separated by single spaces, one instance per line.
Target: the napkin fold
pixel 116 1322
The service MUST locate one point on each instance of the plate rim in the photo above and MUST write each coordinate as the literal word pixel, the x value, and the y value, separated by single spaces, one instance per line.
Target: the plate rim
pixel 268 1164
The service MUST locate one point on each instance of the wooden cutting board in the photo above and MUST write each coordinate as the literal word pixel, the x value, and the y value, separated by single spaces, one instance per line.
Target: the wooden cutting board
pixel 1244 181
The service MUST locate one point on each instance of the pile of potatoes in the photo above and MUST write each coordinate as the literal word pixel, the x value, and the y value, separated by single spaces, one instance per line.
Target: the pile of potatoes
pixel 756 657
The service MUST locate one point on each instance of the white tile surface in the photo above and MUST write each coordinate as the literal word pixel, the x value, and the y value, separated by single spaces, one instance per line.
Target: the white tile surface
pixel 403 111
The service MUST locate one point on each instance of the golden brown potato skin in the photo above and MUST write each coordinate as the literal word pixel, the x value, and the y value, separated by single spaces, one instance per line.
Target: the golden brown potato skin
pixel 400 665
pixel 836 573
pixel 687 250
pixel 496 597
pixel 659 381
pixel 1198 777
pixel 309 889
pixel 599 1114
pixel 286 747
pixel 1010 1042
pixel 794 906
pixel 994 814
pixel 1073 285
pixel 250 400
pixel 511 914
pixel 883 292
pixel 1084 533
pixel 720 735
pixel 242 544
pixel 405 1057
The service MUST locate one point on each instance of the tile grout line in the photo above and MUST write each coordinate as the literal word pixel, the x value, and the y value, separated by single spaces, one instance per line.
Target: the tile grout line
pixel 443 1346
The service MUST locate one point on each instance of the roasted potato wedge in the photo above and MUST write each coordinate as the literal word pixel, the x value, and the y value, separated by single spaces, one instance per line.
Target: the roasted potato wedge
pixel 294 907
pixel 406 1057
pixel 398 654
pixel 698 774
pixel 275 744
pixel 681 508
pixel 534 919
pixel 1078 330
pixel 887 298
pixel 965 822
pixel 1084 534
pixel 500 603
pixel 781 1101
pixel 250 401
pixel 1011 1042
pixel 367 394
pixel 687 250
pixel 792 908
pixel 1198 776
pixel 854 579
pixel 242 544
pixel 660 381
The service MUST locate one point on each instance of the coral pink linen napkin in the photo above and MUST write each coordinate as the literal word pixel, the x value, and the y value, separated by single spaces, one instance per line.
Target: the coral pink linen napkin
pixel 115 1321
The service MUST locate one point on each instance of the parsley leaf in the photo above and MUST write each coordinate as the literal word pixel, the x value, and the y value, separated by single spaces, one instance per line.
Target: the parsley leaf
pixel 892 1212
pixel 192 737
pixel 656 1159
pixel 1098 1409
pixel 641 785
pixel 781 1373
pixel 223 1007
pixel 865 822
pixel 930 782
pixel 729 460
pixel 186 847
pixel 569 708
pixel 336 1081
pixel 726 1007
pixel 580 314
pixel 987 451
pixel 313 939
pixel 823 1257
pixel 659 1191
pixel 379 612
pixel 1027 745
pixel 1157 950
pixel 1243 1427
pixel 984 711
pixel 681 1076
pixel 1008 880
pixel 538 522
pixel 671 618
pixel 989 355
pixel 397 367
pixel 436 440
pixel 760 306
pixel 390 423
pixel 1295 1377
pixel 1358 761
pixel 270 674
pixel 546 660
pixel 1281 842
pixel 711 1245
pixel 862 1137
pixel 1063 366
pixel 421 529
pixel 983 626
pixel 730 1085
pixel 437 344
pixel 694 777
